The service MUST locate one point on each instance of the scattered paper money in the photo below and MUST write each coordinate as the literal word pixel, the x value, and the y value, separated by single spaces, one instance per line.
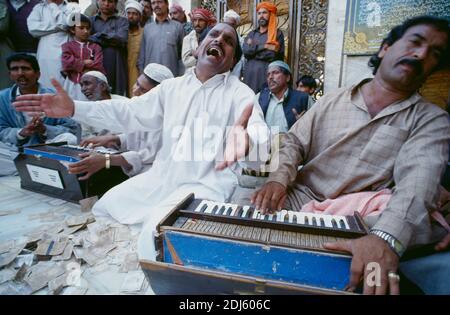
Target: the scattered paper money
pixel 88 203
pixel 57 202
pixel 7 274
pixel 130 263
pixel 52 245
pixel 40 274
pixel 8 257
pixel 133 282
pixel 66 254
pixel 9 212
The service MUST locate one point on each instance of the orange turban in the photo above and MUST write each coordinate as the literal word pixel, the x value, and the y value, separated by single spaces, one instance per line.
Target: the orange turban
pixel 272 28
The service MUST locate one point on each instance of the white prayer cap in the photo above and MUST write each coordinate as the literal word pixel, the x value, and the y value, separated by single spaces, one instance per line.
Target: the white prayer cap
pixel 132 4
pixel 233 15
pixel 158 72
pixel 98 75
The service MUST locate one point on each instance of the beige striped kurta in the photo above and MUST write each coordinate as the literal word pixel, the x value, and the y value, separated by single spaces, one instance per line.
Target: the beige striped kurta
pixel 344 150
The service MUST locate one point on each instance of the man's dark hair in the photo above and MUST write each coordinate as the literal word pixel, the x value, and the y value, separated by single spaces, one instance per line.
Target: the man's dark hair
pixel 398 31
pixel 307 81
pixel 85 19
pixel 23 57
pixel 238 49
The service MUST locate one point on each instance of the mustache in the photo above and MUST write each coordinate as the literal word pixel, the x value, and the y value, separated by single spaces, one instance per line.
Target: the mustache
pixel 417 65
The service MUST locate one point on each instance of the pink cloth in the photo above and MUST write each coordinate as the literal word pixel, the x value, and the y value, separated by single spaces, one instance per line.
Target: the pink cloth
pixel 366 203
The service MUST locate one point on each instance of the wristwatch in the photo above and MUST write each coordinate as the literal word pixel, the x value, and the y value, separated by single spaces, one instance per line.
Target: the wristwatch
pixel 107 161
pixel 393 243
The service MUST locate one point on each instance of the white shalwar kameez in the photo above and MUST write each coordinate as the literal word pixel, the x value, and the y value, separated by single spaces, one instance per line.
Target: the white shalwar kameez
pixel 48 22
pixel 193 119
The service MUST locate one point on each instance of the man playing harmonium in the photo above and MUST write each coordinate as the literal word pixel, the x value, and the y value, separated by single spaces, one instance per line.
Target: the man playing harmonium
pixel 376 135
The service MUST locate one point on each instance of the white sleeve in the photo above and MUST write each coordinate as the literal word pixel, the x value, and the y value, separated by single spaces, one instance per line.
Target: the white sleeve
pixel 257 130
pixel 145 146
pixel 47 19
pixel 143 113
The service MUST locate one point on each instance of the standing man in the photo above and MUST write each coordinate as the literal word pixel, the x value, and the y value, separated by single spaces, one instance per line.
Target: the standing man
pixel 232 18
pixel 19 10
pixel 201 18
pixel 307 84
pixel 111 32
pixel 162 40
pixel 147 13
pixel 48 22
pixel 134 13
pixel 5 44
pixel 262 46
pixel 176 13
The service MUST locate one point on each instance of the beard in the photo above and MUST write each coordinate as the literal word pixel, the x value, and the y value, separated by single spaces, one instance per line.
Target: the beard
pixel 263 22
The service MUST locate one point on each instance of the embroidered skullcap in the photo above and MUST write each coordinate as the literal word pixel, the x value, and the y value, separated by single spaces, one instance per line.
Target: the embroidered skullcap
pixel 132 4
pixel 98 75
pixel 157 72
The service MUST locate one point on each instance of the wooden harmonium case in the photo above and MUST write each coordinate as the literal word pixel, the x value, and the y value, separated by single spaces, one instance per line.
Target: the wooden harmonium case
pixel 217 248
pixel 43 169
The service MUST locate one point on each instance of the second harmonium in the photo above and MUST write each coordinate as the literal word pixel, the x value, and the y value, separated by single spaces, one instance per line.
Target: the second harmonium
pixel 43 168
pixel 208 247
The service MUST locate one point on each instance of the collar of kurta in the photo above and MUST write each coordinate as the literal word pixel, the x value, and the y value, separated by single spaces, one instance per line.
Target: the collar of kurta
pixel 165 20
pixel 224 77
pixel 285 95
pixel 357 99
pixel 98 16
pixel 15 91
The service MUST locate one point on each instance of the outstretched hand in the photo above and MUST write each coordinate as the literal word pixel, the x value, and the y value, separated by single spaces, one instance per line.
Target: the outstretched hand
pixel 53 105
pixel 237 144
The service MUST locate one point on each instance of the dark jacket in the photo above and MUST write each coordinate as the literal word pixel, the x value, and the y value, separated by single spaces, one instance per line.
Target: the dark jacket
pixel 294 99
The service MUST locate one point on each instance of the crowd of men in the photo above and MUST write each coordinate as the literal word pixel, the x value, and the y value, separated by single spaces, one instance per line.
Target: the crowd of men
pixel 377 145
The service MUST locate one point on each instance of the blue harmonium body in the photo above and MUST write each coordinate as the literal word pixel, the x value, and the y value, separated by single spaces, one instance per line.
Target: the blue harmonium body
pixel 207 247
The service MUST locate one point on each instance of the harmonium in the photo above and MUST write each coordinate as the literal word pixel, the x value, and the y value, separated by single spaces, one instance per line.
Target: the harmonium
pixel 44 169
pixel 207 247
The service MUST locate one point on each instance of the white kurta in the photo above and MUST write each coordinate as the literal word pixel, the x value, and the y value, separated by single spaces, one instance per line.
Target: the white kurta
pixel 193 119
pixel 190 44
pixel 141 150
pixel 48 22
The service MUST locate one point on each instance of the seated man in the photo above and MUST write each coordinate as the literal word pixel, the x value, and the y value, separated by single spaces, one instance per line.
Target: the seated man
pixel 20 129
pixel 95 86
pixel 187 160
pixel 375 135
pixel 307 84
pixel 140 154
pixel 280 103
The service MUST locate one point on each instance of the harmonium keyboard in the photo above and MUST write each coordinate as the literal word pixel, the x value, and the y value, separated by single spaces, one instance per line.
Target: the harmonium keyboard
pixel 207 247
pixel 44 169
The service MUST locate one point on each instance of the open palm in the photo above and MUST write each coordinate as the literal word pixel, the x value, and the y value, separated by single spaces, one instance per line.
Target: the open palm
pixel 53 105
pixel 237 144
